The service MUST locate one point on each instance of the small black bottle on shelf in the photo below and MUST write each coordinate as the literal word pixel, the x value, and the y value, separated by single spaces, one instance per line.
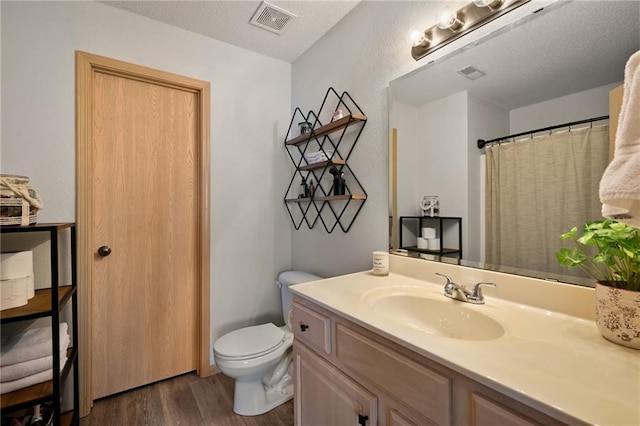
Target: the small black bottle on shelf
pixel 303 189
pixel 341 185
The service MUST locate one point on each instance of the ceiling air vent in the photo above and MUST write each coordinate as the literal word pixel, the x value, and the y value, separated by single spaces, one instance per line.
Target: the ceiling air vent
pixel 471 72
pixel 272 18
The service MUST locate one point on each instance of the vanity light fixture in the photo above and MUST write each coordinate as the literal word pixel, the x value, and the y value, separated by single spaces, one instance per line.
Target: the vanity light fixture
pixel 447 19
pixel 453 24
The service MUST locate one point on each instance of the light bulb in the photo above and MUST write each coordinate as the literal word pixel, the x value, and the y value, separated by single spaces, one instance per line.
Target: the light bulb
pixel 447 18
pixel 417 37
pixel 487 3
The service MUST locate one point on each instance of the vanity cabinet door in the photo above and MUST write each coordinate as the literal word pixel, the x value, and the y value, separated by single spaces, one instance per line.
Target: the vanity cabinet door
pixel 391 414
pixel 325 396
pixel 422 389
pixel 485 412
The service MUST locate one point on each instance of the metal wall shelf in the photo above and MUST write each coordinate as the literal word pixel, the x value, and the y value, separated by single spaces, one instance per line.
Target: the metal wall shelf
pixel 332 208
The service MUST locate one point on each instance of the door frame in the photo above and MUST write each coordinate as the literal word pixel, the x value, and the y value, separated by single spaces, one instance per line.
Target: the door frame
pixel 87 65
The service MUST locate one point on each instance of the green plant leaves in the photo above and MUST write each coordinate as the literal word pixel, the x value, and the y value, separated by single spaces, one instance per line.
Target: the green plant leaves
pixel 607 251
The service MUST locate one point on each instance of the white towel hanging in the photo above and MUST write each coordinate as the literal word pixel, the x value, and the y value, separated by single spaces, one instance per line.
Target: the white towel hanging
pixel 620 184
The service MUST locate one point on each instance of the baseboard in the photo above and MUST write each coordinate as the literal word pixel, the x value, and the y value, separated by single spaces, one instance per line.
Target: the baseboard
pixel 213 370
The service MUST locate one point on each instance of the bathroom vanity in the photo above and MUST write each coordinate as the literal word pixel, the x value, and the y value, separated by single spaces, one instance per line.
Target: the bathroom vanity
pixel 394 350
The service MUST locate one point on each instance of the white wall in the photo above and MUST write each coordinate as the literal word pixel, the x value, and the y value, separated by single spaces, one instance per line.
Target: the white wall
pixel 442 161
pixel 251 93
pixel 577 106
pixel 486 121
pixel 361 54
pixel 404 118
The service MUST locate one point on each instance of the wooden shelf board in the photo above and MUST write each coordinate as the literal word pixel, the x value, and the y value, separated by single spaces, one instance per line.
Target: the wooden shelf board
pixel 38 306
pixel 322 164
pixel 26 396
pixel 328 198
pixel 444 250
pixel 36 227
pixel 66 419
pixel 334 126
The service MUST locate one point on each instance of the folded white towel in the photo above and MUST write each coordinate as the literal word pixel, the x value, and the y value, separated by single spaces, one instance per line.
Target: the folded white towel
pixel 17 371
pixel 32 344
pixel 30 380
pixel 620 184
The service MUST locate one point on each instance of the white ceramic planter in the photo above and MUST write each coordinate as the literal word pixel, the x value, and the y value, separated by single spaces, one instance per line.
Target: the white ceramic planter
pixel 618 315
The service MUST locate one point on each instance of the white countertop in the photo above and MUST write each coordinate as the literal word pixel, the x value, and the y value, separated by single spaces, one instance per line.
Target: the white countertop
pixel 556 363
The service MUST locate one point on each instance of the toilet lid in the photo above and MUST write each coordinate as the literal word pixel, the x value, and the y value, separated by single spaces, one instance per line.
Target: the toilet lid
pixel 249 341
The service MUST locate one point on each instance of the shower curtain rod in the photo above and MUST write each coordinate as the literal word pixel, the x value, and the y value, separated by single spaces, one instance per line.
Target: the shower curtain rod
pixel 482 143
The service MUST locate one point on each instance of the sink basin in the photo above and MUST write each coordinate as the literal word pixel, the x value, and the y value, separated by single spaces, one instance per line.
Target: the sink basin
pixel 446 317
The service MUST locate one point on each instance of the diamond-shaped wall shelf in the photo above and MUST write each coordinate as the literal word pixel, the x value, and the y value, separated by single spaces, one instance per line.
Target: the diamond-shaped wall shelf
pixel 323 186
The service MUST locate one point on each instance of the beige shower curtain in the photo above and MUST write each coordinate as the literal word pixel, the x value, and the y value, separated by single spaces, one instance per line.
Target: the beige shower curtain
pixel 538 189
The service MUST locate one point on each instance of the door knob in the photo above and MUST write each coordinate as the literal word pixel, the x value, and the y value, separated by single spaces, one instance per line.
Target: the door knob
pixel 104 251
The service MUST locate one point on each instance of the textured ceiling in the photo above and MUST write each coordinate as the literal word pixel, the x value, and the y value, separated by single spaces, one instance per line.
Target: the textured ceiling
pixel 229 21
pixel 564 49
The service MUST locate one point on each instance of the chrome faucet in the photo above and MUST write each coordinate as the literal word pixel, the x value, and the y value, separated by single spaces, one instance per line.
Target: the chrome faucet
pixel 460 292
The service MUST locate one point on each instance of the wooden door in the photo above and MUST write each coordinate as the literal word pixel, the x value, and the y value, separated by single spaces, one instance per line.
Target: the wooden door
pixel 146 229
pixel 615 107
pixel 325 396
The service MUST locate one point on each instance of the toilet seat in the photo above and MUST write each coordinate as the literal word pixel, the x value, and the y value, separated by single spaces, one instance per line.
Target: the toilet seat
pixel 249 342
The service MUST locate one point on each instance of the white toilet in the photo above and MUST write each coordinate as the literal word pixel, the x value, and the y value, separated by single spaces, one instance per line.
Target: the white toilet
pixel 259 357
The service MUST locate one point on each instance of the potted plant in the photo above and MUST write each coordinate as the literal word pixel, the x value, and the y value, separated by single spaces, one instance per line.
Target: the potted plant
pixel 609 252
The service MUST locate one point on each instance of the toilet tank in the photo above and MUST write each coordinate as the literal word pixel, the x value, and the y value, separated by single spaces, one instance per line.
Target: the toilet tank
pixel 285 279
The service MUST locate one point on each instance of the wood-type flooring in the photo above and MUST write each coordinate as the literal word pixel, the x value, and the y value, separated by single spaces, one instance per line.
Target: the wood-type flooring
pixel 184 400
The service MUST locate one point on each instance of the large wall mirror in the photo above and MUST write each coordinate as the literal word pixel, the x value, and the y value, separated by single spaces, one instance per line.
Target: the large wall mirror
pixel 555 66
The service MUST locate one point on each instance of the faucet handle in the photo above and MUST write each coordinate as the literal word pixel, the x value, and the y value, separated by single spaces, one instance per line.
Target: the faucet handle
pixel 449 280
pixel 477 290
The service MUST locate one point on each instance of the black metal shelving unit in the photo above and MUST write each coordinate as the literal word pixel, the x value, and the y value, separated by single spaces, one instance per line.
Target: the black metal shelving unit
pixel 49 303
pixel 331 209
pixel 443 251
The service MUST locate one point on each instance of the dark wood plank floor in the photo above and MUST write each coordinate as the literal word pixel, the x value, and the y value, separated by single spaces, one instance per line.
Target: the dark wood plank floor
pixel 184 400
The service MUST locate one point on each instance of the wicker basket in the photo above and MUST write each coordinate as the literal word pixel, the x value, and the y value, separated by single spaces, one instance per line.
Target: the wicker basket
pixel 19 203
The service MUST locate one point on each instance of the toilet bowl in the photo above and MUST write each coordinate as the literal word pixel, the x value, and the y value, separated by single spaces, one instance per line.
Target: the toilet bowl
pixel 259 357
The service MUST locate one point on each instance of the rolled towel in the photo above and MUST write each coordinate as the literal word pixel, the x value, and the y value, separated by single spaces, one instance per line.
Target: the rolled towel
pixel 32 344
pixel 17 371
pixel 620 183
pixel 34 379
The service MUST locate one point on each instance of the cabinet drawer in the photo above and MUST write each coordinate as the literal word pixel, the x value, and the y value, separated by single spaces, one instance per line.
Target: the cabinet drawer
pixel 312 328
pixel 424 390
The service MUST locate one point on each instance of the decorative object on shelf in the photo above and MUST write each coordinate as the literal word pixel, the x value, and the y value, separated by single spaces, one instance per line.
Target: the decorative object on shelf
pixel 428 233
pixel 304 190
pixel 337 115
pixel 338 181
pixel 423 243
pixel 304 127
pixel 19 202
pixel 609 252
pixel 16 279
pixel 430 206
pixel 433 243
pixel 312 188
pixel 380 263
pixel 453 24
pixel 325 148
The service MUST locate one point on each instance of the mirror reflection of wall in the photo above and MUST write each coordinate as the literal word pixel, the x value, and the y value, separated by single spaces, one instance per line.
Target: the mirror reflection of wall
pixel 557 66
